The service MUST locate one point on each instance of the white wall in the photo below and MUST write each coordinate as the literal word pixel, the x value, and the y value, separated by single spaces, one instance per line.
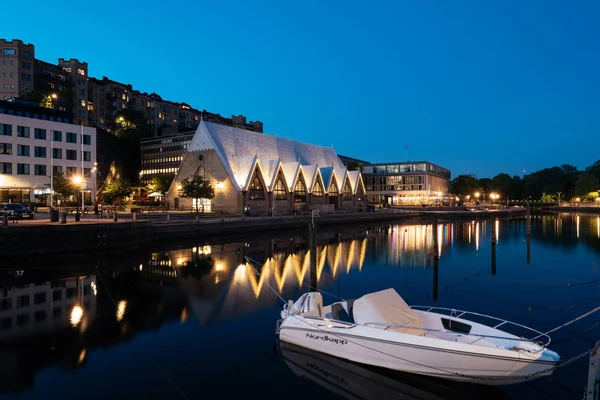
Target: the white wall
pixel 33 181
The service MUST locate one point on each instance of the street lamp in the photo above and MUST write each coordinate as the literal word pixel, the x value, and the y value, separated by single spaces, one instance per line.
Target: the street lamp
pixel 559 193
pixel 53 96
pixel 78 181
pixel 141 173
pixel 95 172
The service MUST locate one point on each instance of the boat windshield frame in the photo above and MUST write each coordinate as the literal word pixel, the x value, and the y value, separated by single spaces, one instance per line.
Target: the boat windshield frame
pixel 454 313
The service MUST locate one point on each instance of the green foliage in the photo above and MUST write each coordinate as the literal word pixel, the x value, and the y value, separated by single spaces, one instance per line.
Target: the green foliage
pixel 586 183
pixel 354 166
pixel 116 189
pixel 132 124
pixel 196 188
pixel 464 185
pixel 549 198
pixel 63 186
pixel 160 184
pixel 46 101
pixel 594 169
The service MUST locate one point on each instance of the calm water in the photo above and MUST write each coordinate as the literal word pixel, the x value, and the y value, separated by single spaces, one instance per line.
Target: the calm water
pixel 193 318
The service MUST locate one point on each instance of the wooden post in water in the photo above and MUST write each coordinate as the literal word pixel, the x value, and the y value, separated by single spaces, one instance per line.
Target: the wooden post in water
pixel 312 242
pixel 592 392
pixel 494 241
pixel 436 261
pixel 528 220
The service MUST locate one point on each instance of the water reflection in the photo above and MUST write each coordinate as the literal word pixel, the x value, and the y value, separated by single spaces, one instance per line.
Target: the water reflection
pixel 64 316
pixel 354 381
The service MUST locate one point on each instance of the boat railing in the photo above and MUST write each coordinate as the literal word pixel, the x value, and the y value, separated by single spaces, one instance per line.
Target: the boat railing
pixel 454 313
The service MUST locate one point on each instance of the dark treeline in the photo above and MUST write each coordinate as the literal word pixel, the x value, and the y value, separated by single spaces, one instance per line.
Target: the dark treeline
pixel 546 184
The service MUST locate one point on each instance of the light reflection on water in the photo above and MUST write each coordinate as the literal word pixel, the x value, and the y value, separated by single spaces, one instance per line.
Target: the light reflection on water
pixel 206 316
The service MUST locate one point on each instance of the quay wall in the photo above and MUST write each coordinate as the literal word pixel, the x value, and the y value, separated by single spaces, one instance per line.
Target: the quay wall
pixel 47 238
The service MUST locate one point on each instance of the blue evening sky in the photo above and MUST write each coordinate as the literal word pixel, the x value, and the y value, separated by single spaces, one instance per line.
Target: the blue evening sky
pixel 476 86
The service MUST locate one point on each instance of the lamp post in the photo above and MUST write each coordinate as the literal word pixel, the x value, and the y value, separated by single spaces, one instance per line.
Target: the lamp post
pixel 140 199
pixel 95 172
pixel 559 193
pixel 78 181
pixel 477 194
pixel 54 97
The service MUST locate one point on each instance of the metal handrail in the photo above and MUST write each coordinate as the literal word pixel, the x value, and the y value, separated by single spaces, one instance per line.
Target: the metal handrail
pixel 502 321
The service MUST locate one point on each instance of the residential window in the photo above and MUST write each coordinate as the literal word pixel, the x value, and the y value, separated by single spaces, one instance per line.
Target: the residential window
pixel 81 113
pixel 23 131
pixel 39 133
pixel 6 148
pixel 57 154
pixel 256 190
pixel 280 193
pixel 57 136
pixel 87 139
pixel 5 168
pixel 5 129
pixel 87 156
pixel 57 169
pixel 71 171
pixel 23 301
pixel 39 152
pixel 71 155
pixel 71 137
pixel 5 304
pixel 318 190
pixel 22 319
pixel 39 170
pixel 22 169
pixel 22 150
pixel 39 298
pixel 87 172
pixel 57 295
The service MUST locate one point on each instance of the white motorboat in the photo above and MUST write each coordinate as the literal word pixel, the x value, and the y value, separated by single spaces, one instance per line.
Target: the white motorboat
pixel 380 329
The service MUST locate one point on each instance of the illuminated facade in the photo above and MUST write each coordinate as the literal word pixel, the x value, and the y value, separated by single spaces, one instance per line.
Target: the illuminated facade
pixel 162 156
pixel 407 183
pixel 31 149
pixel 258 173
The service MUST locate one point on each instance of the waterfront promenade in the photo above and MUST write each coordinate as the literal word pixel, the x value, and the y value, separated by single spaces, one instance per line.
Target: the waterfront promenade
pixel 40 236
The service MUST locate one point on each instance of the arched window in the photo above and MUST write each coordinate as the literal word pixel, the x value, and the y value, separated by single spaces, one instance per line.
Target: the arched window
pixel 299 192
pixel 257 191
pixel 347 191
pixel 280 193
pixel 318 189
pixel 201 172
pixel 333 189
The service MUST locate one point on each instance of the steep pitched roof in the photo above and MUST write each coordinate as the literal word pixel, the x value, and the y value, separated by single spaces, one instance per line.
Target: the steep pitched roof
pixel 239 149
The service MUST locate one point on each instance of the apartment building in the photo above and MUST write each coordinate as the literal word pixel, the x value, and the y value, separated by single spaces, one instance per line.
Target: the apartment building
pixel 35 143
pixel 16 68
pixel 97 102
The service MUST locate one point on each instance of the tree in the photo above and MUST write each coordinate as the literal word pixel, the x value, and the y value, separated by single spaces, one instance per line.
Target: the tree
pixel 63 186
pixel 594 169
pixel 464 185
pixel 132 124
pixel 586 185
pixel 354 166
pixel 116 189
pixel 160 184
pixel 196 188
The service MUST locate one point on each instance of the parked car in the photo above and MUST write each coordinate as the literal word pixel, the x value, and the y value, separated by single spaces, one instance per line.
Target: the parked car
pixel 16 211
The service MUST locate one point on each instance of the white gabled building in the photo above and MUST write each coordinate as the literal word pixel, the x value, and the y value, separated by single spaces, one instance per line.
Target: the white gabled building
pixel 259 172
pixel 31 150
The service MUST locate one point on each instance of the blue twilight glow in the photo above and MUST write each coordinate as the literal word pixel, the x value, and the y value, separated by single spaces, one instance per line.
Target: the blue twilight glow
pixel 475 86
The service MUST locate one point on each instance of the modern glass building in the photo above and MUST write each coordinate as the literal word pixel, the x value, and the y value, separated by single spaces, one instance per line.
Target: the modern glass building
pixel 407 183
pixel 162 156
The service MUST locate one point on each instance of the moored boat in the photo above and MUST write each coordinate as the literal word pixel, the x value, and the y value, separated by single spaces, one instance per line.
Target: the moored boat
pixel 380 329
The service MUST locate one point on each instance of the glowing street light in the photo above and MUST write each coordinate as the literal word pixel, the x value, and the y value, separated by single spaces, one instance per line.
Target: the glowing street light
pixel 76 315
pixel 78 181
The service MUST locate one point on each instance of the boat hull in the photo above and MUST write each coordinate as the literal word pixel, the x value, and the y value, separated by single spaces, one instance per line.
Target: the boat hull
pixel 414 354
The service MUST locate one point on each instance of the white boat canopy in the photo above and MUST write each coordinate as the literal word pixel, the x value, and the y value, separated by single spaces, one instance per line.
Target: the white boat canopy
pixel 386 307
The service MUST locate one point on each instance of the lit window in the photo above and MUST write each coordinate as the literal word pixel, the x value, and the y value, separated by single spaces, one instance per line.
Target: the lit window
pixel 300 192
pixel 318 190
pixel 256 190
pixel 280 193
pixel 347 191
pixel 333 190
